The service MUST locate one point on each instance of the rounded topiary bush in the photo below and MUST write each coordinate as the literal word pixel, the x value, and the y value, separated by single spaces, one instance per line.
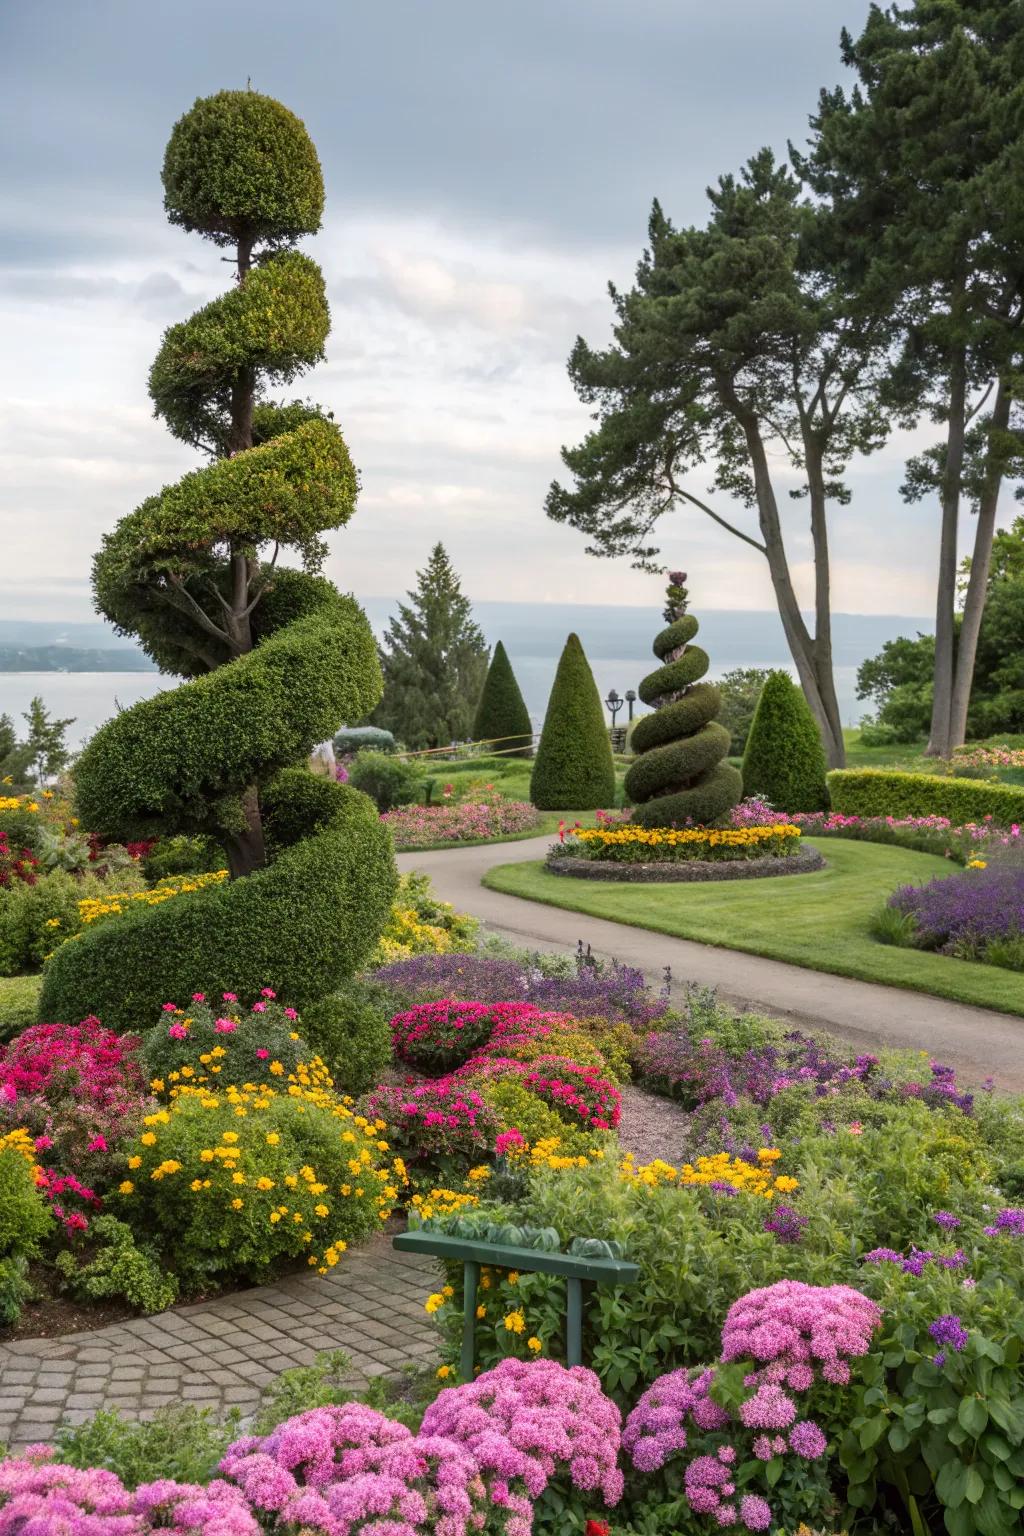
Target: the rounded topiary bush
pixel 679 773
pixel 785 761
pixel 573 769
pixel 502 715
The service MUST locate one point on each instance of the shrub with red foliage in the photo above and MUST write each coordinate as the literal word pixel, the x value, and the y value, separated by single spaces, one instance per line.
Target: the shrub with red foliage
pixel 16 866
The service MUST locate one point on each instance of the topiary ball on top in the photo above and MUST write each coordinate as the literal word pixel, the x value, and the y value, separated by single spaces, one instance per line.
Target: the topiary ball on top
pixel 680 774
pixel 240 166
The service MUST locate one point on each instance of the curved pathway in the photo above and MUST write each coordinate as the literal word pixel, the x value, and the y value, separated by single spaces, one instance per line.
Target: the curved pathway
pixel 977 1041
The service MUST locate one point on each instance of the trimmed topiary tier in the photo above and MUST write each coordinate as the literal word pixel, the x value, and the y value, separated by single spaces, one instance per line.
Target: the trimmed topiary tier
pixel 784 761
pixel 501 715
pixel 680 774
pixel 277 658
pixel 573 769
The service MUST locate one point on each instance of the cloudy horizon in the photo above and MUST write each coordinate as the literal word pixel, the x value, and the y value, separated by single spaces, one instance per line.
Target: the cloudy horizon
pixel 487 173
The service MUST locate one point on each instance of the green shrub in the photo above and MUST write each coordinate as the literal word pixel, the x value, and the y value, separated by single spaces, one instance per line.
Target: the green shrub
pixel 679 774
pixel 19 1004
pixel 225 1044
pixel 182 855
pixel 185 1444
pixel 227 1195
pixel 301 925
pixel 25 1220
pixel 880 792
pixel 35 918
pixel 389 781
pixel 351 1032
pixel 502 715
pixel 354 738
pixel 117 1267
pixel 784 761
pixel 517 1108
pixel 891 926
pixel 573 769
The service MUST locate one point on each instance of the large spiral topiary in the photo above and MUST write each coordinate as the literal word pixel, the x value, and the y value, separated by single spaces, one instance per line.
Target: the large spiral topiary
pixel 277 658
pixel 680 774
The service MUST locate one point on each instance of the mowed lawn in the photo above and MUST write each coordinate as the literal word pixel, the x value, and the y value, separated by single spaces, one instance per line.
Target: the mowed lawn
pixel 818 920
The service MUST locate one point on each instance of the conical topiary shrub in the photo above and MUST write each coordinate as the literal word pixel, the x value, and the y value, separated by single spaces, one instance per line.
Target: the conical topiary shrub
pixel 573 769
pixel 785 760
pixel 679 774
pixel 502 715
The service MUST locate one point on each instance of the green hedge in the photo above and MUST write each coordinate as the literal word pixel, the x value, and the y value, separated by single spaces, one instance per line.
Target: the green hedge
pixel 573 769
pixel 878 792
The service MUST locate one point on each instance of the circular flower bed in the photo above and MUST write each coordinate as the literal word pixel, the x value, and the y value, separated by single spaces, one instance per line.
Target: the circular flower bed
pixel 683 853
pixel 800 862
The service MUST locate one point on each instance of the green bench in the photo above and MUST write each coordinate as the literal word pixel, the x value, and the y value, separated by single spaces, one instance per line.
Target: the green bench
pixel 473 1254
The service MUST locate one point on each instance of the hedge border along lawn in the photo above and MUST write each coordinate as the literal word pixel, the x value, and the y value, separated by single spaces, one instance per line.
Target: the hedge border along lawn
pixel 877 792
pixel 819 922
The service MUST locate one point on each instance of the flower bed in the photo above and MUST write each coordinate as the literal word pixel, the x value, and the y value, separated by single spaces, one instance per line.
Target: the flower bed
pixel 421 826
pixel 648 845
pixel 800 862
pixel 924 834
pixel 975 915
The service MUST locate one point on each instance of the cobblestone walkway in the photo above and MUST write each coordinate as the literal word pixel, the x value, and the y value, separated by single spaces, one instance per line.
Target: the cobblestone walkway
pixel 223 1353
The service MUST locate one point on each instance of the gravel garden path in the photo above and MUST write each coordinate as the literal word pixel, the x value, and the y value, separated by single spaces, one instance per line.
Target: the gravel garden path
pixel 978 1042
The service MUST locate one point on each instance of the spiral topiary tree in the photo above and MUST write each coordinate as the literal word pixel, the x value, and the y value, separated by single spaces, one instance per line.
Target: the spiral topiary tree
pixel 680 774
pixel 275 658
pixel 502 715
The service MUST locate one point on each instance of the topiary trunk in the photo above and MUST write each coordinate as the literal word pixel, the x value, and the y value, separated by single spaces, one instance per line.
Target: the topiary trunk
pixel 502 715
pixel 573 769
pixel 679 774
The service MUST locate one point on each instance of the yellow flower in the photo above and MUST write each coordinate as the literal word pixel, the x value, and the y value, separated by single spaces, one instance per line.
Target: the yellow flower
pixel 275 1216
pixel 206 1155
pixel 264 1183
pixel 135 1162
pixel 443 1372
pixel 515 1322
pixel 230 1136
pixel 125 1187
pixel 236 1204
pixel 534 1344
pixel 272 1139
pixel 148 1139
pixel 321 1210
pixel 481 1311
pixel 433 1303
pixel 238 1178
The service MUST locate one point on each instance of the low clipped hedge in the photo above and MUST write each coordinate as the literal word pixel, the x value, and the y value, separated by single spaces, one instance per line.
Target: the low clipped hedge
pixel 879 792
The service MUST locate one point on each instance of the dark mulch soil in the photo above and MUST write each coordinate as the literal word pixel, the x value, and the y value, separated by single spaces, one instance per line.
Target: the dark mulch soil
pixel 51 1314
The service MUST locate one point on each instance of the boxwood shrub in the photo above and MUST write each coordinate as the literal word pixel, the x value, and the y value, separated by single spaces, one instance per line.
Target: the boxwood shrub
pixel 879 792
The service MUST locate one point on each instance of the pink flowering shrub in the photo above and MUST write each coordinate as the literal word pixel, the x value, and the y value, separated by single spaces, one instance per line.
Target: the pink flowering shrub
pixel 40 1496
pixel 343 1470
pixel 757 812
pixel 785 1350
pixel 419 826
pixel 531 1424
pixel 445 1124
pixel 219 1040
pixel 579 1094
pixel 79 1091
pixel 437 1037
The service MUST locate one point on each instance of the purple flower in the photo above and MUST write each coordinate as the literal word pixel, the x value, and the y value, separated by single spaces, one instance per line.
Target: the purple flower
pixel 786 1224
pixel 946 1220
pixel 948 1329
pixel 808 1440
pixel 755 1513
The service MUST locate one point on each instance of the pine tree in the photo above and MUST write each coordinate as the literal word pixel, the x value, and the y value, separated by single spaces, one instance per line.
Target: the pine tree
pixel 785 762
pixel 15 758
pixel 573 770
pixel 680 774
pixel 46 743
pixel 502 715
pixel 434 658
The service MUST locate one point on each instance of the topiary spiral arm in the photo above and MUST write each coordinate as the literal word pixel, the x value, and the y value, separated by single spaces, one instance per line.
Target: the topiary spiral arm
pixel 679 774
pixel 278 657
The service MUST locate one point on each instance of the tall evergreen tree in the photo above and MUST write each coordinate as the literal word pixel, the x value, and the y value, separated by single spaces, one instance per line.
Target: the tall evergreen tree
pixel 15 757
pixel 502 715
pixel 738 346
pixel 434 659
pixel 46 744
pixel 922 164
pixel 573 769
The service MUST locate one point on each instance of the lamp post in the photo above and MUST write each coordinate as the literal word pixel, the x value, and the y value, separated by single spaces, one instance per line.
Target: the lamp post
pixel 614 704
pixel 630 700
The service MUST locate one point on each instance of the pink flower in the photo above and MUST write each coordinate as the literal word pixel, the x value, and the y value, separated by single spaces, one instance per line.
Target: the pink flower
pixel 170 1007
pixel 178 1032
pixel 230 997
pixel 267 992
pixel 98 1144
pixel 43 1143
pixel 225 1026
pixel 199 997
pixel 262 1053
pixel 290 1013
pixel 259 1007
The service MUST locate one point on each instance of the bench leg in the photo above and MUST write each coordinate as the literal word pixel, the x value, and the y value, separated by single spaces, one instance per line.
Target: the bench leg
pixel 470 1280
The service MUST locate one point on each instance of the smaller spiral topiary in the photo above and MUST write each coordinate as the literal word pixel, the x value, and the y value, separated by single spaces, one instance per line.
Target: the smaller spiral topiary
pixel 679 774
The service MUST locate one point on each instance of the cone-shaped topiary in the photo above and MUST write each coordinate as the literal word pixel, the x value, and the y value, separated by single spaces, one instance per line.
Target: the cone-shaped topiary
pixel 502 715
pixel 277 657
pixel 573 769
pixel 679 774
pixel 785 760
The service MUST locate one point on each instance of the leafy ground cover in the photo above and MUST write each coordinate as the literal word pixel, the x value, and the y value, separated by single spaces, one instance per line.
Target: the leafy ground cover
pixel 819 920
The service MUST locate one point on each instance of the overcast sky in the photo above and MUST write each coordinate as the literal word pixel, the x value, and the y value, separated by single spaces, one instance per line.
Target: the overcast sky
pixel 489 167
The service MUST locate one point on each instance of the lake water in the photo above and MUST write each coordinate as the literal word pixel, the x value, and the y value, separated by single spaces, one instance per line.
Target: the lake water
pixel 92 697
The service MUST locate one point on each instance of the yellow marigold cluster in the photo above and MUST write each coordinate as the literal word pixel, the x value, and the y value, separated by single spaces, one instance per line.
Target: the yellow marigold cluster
pixel 548 1153
pixel 406 935
pixel 758 1178
pixel 19 1140
pixel 93 907
pixel 678 837
pixel 442 1202
pixel 241 1170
